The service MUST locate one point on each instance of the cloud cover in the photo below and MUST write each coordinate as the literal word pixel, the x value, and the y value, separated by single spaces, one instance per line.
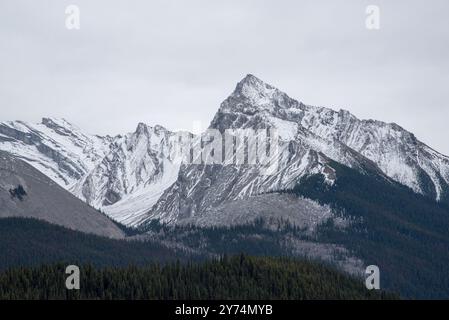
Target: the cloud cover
pixel 173 62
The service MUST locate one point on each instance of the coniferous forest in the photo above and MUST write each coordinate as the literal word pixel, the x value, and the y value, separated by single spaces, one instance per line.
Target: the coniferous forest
pixel 237 277
pixel 405 234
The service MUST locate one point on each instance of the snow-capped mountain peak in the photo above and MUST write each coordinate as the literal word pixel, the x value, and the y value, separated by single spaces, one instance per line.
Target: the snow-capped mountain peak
pixel 397 152
pixel 310 137
pixel 135 176
pixel 252 93
pixel 55 147
pixel 132 176
pixel 254 89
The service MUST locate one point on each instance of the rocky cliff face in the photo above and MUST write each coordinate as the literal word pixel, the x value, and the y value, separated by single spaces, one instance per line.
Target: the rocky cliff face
pixel 396 151
pixel 309 138
pixel 136 177
pixel 133 174
pixel 55 147
pixel 122 175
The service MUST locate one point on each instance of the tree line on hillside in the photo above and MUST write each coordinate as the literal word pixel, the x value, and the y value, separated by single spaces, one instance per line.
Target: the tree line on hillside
pixel 236 277
pixel 404 233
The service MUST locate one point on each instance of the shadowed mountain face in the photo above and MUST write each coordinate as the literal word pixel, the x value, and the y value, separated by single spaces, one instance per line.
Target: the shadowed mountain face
pixel 25 192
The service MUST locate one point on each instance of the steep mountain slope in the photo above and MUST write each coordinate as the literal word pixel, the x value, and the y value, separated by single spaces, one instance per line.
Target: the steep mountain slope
pixel 296 153
pixel 132 175
pixel 128 175
pixel 405 234
pixel 396 151
pixel 55 147
pixel 123 175
pixel 365 187
pixel 309 137
pixel 25 192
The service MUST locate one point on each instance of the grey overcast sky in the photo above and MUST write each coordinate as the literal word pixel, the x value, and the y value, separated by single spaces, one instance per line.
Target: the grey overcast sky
pixel 173 62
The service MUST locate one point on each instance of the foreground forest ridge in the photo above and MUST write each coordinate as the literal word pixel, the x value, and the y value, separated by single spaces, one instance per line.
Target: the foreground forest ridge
pixel 237 277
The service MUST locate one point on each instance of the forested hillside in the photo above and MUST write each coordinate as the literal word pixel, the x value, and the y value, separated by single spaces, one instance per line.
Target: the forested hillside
pixel 405 234
pixel 28 242
pixel 238 277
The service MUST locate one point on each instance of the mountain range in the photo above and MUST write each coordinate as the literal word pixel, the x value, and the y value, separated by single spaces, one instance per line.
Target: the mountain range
pixel 339 189
pixel 134 177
